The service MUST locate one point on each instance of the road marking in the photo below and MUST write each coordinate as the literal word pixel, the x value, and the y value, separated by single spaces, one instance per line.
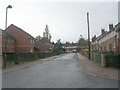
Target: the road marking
pixel 92 74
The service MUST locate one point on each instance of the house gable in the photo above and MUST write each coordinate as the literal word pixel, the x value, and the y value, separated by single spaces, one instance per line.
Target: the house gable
pixel 24 42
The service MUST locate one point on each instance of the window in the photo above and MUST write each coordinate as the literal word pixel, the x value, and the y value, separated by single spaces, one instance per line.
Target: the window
pixel 110 46
pixel 31 41
pixel 9 40
pixel 31 50
pixel 105 49
pixel 114 45
pixel 12 41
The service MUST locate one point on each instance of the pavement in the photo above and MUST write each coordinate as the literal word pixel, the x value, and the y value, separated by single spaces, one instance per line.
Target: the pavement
pixel 27 64
pixel 95 69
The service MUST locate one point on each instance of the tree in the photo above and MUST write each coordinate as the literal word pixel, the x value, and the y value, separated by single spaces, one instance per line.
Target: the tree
pixel 58 47
pixel 38 38
pixel 82 43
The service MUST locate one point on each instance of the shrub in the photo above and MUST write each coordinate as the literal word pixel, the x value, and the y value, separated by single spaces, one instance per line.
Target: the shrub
pixel 112 60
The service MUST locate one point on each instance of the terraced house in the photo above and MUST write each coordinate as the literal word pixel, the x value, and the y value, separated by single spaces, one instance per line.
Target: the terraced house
pixel 107 41
pixel 117 28
pixel 0 42
pixel 0 48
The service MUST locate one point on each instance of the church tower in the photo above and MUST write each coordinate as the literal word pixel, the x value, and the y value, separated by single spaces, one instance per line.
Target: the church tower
pixel 46 34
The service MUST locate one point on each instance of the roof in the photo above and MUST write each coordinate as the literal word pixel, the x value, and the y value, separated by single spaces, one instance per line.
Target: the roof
pixel 70 44
pixel 46 43
pixel 7 35
pixel 40 46
pixel 44 40
pixel 70 47
pixel 21 30
pixel 106 33
pixel 49 45
pixel 0 31
pixel 117 27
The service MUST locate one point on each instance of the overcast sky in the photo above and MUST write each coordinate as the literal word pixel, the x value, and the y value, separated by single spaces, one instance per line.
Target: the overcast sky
pixel 66 20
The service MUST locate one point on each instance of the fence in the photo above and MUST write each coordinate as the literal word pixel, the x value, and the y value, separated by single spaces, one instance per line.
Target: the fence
pixel 96 56
pixel 20 58
pixel 9 60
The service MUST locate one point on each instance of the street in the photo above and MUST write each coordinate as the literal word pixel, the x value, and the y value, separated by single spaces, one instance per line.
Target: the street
pixel 62 72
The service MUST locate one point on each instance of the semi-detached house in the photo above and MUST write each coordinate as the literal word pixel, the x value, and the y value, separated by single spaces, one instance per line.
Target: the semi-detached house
pixel 8 42
pixel 25 43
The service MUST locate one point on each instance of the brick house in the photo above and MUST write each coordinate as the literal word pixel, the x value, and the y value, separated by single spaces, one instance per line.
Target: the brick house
pixel 40 47
pixel 108 40
pixel 94 47
pixel 0 48
pixel 105 42
pixel 25 43
pixel 0 42
pixel 94 43
pixel 46 44
pixel 8 42
pixel 70 47
pixel 117 28
pixel 7 45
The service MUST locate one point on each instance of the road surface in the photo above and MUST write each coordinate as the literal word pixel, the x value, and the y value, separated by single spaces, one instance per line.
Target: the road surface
pixel 62 72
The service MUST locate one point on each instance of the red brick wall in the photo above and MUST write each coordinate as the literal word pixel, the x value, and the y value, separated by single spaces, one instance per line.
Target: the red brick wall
pixel 111 41
pixel 23 41
pixel 0 49
pixel 3 45
pixel 10 46
pixel 94 47
pixel 119 45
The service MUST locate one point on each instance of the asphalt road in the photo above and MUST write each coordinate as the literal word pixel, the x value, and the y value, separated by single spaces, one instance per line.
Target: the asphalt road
pixel 62 72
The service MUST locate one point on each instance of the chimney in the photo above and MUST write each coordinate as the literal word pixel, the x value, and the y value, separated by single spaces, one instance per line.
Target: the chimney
pixel 102 31
pixel 94 38
pixel 110 27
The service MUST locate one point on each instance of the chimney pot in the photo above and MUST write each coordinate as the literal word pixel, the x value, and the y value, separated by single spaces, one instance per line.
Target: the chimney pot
pixel 110 27
pixel 102 31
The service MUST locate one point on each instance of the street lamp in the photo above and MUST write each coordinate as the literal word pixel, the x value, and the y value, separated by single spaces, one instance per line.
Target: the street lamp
pixel 9 6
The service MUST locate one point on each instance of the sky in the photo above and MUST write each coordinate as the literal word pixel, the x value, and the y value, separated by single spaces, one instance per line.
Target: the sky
pixel 66 19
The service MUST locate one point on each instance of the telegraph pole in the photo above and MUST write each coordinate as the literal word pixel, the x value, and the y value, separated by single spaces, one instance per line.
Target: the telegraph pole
pixel 88 35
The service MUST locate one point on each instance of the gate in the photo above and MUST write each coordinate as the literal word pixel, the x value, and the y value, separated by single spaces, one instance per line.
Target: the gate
pixel 98 59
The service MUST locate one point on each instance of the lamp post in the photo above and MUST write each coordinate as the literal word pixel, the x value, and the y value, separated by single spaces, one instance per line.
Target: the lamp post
pixel 9 6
